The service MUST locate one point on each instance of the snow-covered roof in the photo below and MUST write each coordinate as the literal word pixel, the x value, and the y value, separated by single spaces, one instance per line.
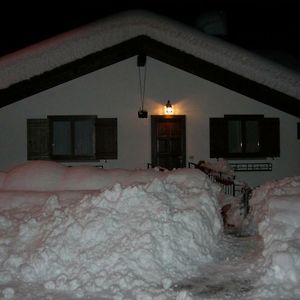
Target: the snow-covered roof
pixel 111 31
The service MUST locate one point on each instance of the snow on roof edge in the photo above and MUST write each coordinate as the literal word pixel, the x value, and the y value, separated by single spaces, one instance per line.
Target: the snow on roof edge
pixel 112 30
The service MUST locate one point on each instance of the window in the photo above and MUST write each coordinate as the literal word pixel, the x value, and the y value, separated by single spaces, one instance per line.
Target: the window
pixel 72 138
pixel 244 136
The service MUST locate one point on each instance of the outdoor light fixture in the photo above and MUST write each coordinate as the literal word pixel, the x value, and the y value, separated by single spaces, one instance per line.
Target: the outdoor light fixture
pixel 142 114
pixel 168 108
pixel 141 62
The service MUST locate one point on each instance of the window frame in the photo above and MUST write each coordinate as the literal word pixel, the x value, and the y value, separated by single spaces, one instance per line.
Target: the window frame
pixel 268 133
pixel 243 119
pixel 39 146
pixel 72 119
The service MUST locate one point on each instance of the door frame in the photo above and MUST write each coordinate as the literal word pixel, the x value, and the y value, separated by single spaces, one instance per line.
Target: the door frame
pixel 154 121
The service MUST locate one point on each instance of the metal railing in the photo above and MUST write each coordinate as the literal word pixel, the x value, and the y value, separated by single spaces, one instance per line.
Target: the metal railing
pixel 226 182
pixel 228 185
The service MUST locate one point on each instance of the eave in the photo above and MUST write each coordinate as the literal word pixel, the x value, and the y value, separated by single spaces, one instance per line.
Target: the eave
pixel 161 52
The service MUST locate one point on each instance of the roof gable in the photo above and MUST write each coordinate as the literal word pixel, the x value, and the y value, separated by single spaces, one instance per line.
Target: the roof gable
pixel 120 37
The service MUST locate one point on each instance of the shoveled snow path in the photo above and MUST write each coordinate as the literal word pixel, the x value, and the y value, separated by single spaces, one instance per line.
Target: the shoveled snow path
pixel 232 275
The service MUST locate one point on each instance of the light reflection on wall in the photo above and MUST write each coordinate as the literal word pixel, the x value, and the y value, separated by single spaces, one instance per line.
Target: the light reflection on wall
pixel 183 106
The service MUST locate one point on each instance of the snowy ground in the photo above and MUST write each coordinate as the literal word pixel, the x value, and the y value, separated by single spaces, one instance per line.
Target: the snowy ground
pixel 88 233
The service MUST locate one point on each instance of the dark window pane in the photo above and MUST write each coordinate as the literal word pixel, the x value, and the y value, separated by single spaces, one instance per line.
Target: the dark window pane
pixel 84 137
pixel 252 144
pixel 62 139
pixel 235 143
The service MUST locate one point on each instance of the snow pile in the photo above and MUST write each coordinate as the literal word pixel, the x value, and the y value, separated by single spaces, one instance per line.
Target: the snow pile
pixel 275 208
pixel 132 238
pixel 220 165
pixel 35 175
pixel 51 176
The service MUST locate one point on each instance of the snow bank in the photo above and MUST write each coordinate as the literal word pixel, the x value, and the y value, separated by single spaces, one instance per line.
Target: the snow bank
pixel 52 176
pixel 131 237
pixel 275 208
pixel 35 175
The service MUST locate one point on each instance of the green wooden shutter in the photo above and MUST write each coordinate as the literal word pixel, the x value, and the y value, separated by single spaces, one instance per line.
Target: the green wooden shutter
pixel 270 137
pixel 218 134
pixel 106 138
pixel 38 139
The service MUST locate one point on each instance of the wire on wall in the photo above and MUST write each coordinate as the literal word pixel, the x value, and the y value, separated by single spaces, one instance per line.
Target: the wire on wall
pixel 142 67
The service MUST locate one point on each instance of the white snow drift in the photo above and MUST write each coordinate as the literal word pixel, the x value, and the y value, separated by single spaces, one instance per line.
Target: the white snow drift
pixel 276 211
pixel 96 234
pixel 128 232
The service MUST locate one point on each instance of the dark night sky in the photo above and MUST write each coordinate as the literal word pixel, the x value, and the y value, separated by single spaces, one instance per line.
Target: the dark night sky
pixel 268 27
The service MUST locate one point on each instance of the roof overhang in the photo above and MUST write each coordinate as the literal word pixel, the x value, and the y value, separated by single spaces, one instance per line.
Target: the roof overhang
pixel 157 50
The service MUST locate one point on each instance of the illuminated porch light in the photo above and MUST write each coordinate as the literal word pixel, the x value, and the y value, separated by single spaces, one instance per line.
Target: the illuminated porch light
pixel 168 108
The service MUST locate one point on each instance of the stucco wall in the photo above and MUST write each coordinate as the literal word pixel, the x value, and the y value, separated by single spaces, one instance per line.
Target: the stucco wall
pixel 114 92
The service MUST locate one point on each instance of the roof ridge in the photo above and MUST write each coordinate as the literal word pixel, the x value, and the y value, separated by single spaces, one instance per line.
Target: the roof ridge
pixel 119 27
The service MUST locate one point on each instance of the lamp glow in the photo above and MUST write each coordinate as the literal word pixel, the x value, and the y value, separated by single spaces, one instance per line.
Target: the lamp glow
pixel 169 108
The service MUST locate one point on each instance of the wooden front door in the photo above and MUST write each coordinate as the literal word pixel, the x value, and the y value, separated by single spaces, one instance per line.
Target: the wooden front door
pixel 168 141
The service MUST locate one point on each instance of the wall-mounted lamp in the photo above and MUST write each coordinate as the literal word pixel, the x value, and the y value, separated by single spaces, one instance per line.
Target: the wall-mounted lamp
pixel 168 108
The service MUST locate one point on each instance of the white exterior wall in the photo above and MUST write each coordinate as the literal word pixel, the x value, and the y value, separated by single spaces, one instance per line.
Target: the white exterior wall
pixel 114 92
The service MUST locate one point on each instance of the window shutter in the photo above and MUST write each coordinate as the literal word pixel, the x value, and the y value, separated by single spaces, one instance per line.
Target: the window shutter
pixel 106 138
pixel 218 137
pixel 38 139
pixel 270 137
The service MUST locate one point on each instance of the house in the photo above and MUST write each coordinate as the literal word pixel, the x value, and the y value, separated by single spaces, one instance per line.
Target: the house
pixel 228 102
